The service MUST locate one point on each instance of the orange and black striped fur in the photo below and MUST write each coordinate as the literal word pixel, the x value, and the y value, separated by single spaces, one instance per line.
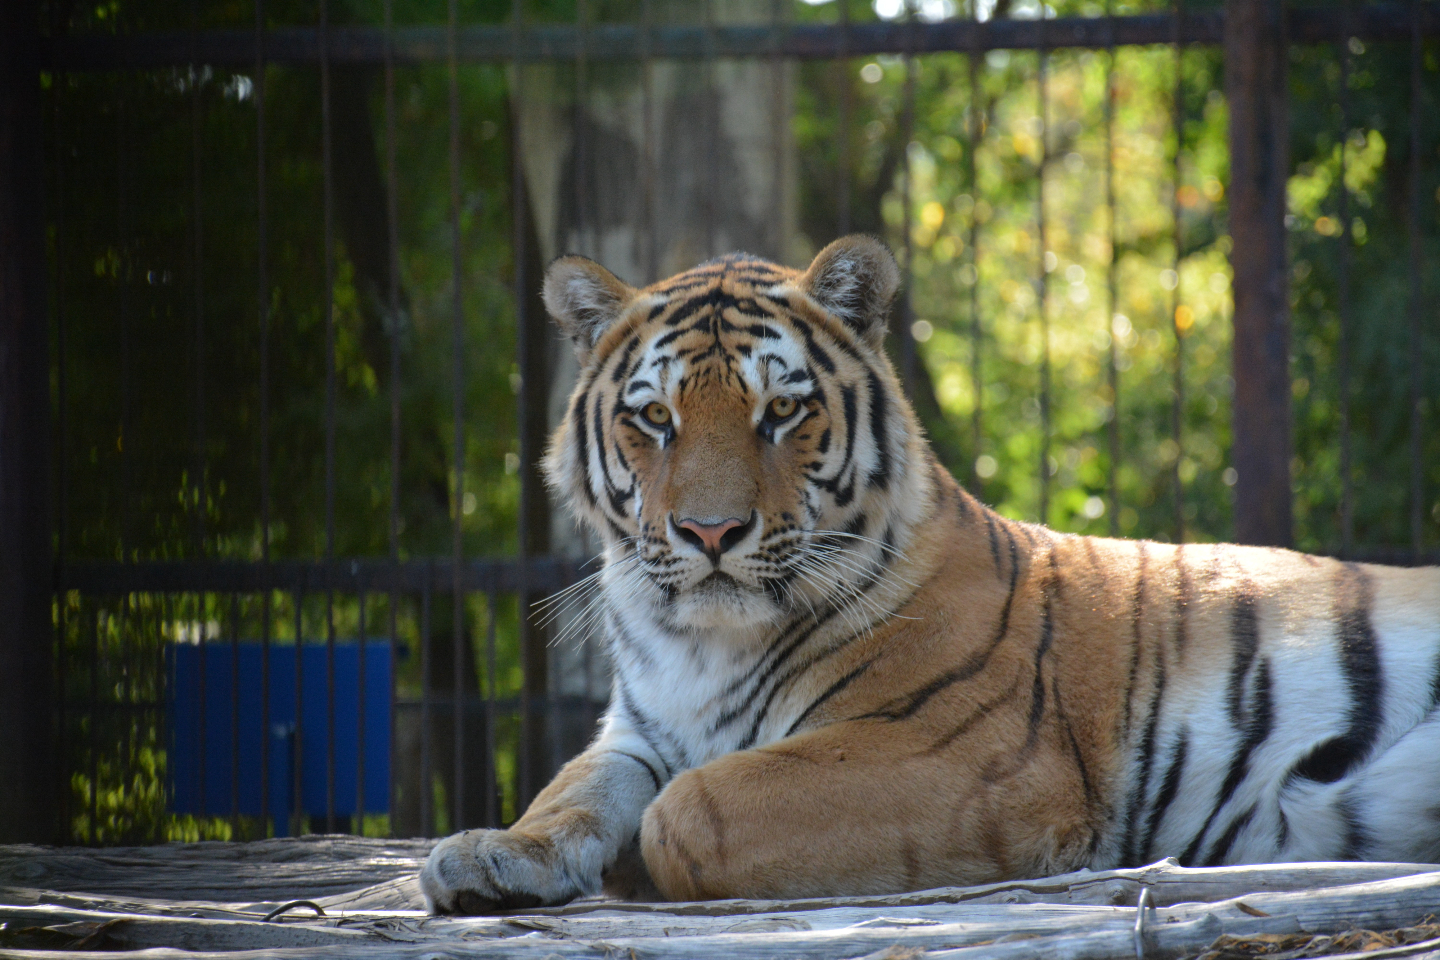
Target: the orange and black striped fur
pixel 836 672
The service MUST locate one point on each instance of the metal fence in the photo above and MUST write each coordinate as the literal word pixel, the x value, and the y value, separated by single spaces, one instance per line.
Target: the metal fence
pixel 181 705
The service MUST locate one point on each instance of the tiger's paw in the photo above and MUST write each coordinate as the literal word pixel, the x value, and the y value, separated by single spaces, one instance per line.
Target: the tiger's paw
pixel 486 871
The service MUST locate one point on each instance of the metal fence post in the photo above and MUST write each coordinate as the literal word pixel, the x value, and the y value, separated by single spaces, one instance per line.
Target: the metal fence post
pixel 1255 84
pixel 27 757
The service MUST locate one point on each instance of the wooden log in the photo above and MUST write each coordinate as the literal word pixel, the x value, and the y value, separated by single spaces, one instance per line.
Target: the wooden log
pixel 966 931
pixel 1168 882
pixel 118 931
pixel 282 869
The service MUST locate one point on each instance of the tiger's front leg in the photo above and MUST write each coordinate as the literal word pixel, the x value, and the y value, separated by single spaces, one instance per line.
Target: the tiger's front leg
pixel 573 832
pixel 855 809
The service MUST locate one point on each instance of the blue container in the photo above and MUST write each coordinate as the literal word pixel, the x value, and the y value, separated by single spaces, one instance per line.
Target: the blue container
pixel 211 729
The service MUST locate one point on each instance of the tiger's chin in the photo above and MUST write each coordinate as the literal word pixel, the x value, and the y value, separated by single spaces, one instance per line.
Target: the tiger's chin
pixel 721 601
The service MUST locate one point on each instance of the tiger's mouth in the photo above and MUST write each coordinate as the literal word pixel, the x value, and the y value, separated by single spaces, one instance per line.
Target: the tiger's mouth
pixel 721 600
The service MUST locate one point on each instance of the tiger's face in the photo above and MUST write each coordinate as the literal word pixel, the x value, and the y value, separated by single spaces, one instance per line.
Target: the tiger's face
pixel 734 431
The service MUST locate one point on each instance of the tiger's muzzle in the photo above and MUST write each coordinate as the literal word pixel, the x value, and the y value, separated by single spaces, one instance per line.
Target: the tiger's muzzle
pixel 712 537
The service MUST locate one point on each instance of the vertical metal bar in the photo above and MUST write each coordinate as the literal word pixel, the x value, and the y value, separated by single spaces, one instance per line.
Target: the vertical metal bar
pixel 532 648
pixel 201 627
pixel 328 184
pixel 262 297
pixel 1416 305
pixel 457 399
pixel 95 723
pixel 394 330
pixel 1347 479
pixel 779 131
pixel 842 213
pixel 427 779
pixel 122 308
pixel 580 135
pixel 297 783
pixel 27 755
pixel 1112 368
pixel 975 129
pixel 647 122
pixel 587 232
pixel 197 252
pixel 710 100
pixel 1042 281
pixel 126 712
pixel 59 775
pixel 234 716
pixel 171 620
pixel 492 776
pixel 127 510
pixel 1255 86
pixel 1177 393
pixel 905 314
pixel 358 824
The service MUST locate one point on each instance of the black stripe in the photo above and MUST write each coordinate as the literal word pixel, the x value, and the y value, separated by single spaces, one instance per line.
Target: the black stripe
pixel 1245 639
pixel 1075 751
pixel 616 496
pixel 674 335
pixel 1435 685
pixel 1137 610
pixel 1357 838
pixel 646 728
pixel 844 495
pixel 1042 647
pixel 1139 793
pixel 654 774
pixel 1256 730
pixel 768 671
pixel 880 476
pixel 1169 786
pixel 620 638
pixel 979 713
pixel 830 691
pixel 994 541
pixel 689 308
pixel 1360 662
pixel 1227 839
pixel 750 737
pixel 623 363
pixel 582 446
pixel 812 349
pixel 764 658
pixel 903 707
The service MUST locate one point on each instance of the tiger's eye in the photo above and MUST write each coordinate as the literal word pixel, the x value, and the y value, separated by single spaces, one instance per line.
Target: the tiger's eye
pixel 782 408
pixel 657 413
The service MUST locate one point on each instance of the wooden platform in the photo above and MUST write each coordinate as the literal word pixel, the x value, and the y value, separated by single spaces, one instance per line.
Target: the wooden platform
pixel 211 900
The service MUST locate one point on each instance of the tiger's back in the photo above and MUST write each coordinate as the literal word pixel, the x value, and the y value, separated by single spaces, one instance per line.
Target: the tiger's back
pixel 837 672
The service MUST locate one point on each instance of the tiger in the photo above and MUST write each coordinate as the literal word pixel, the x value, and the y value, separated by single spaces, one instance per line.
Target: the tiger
pixel 836 672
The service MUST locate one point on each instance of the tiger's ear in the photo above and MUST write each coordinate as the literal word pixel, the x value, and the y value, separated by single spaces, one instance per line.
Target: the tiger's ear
pixel 585 299
pixel 855 278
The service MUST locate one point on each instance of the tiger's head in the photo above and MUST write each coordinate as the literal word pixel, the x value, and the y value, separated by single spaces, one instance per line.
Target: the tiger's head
pixel 737 436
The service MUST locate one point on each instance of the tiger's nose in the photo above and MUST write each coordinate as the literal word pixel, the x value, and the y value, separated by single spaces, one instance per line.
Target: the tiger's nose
pixel 714 538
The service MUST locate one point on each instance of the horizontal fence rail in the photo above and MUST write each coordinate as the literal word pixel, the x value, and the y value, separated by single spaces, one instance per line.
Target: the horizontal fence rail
pixel 539 574
pixel 533 44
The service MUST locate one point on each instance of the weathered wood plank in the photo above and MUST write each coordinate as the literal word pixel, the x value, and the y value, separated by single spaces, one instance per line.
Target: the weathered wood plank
pixel 1168 882
pixel 967 931
pixel 282 869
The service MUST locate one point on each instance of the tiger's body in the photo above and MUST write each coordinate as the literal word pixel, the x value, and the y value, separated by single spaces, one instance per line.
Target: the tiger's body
pixel 836 672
